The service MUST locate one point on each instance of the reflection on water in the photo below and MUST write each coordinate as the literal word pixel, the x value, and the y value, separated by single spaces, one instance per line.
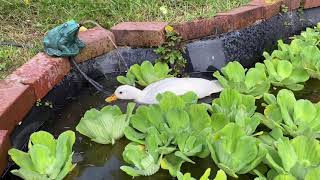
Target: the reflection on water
pixel 99 162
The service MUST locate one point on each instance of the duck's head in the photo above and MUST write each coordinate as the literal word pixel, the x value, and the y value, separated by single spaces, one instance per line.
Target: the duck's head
pixel 124 92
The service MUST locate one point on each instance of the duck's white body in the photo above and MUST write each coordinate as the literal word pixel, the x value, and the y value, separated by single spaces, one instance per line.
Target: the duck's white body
pixel 179 86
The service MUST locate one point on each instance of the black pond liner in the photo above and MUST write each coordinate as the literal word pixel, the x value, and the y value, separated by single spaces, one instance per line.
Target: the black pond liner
pixel 74 94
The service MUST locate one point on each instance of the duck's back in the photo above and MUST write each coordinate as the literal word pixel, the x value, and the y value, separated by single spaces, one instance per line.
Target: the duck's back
pixel 179 86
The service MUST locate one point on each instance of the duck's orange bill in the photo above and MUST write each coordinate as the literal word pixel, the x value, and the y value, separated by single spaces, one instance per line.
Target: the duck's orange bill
pixel 111 98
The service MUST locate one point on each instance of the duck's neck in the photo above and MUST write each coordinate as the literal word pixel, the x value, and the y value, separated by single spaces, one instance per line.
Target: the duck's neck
pixel 135 93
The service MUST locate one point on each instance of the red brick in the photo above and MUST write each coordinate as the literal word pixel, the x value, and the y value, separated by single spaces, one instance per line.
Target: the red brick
pixel 243 16
pixel 4 147
pixel 15 102
pixel 292 4
pixel 98 41
pixel 139 34
pixel 204 27
pixel 311 4
pixel 268 9
pixel 42 73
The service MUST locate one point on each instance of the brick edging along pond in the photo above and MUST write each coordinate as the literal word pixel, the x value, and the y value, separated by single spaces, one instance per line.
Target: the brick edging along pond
pixel 33 80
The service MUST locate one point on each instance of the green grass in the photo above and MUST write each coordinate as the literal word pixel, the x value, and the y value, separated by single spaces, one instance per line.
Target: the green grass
pixel 27 23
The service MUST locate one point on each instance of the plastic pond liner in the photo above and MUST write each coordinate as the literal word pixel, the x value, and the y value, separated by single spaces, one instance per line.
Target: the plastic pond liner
pixel 64 106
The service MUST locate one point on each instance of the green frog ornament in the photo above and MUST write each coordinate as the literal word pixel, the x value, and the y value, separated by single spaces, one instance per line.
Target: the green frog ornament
pixel 63 41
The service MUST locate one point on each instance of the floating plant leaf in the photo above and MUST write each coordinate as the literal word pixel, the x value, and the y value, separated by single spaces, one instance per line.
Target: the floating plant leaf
pixel 253 82
pixel 294 117
pixel 283 73
pixel 233 106
pixel 175 128
pixel 297 158
pixel 105 126
pixel 144 163
pixel 235 152
pixel 221 175
pixel 145 74
pixel 47 157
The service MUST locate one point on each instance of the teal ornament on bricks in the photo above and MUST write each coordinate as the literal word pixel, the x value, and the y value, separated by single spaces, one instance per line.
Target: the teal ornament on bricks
pixel 63 41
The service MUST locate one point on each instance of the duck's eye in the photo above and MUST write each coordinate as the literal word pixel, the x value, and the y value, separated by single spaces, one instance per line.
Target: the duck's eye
pixel 120 92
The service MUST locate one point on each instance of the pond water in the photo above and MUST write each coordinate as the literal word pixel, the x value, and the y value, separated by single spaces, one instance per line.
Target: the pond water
pixel 99 162
pixel 102 162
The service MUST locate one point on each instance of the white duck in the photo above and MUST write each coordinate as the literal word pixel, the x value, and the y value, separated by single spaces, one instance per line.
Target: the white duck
pixel 179 86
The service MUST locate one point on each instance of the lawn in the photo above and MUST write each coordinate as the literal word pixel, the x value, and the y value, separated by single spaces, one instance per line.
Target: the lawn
pixel 26 21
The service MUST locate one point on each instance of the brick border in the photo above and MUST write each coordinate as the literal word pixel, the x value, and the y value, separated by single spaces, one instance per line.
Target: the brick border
pixel 33 80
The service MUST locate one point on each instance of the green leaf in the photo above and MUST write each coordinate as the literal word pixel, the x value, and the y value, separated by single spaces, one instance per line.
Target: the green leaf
pixel 143 163
pixel 172 163
pixel 133 135
pixel 269 98
pixel 206 174
pixel 63 152
pixel 254 75
pixel 234 151
pixel 105 126
pixel 221 175
pixel 234 71
pixel 22 159
pixel 199 117
pixel 41 158
pixel 313 174
pixel 286 153
pixel 284 69
pixel 44 138
pixel 169 100
pixel 286 101
pixel 145 74
pixel 178 120
pixel 304 110
pixel 28 174
pixel 47 158
pixel 284 177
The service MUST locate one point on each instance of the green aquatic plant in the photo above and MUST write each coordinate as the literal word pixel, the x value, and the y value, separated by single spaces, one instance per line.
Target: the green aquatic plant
pixel 310 35
pixel 283 73
pixel 177 126
pixel 221 175
pixel 293 117
pixel 145 74
pixel 298 159
pixel 233 106
pixel 47 158
pixel 310 62
pixel 252 82
pixel 235 152
pixel 105 126
pixel 144 163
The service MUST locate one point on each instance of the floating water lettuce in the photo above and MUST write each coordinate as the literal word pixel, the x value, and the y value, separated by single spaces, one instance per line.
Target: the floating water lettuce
pixel 144 163
pixel 233 106
pixel 235 152
pixel 145 74
pixel 294 117
pixel 310 60
pixel 105 126
pixel 47 158
pixel 310 35
pixel 298 159
pixel 253 82
pixel 177 127
pixel 283 73
pixel 221 175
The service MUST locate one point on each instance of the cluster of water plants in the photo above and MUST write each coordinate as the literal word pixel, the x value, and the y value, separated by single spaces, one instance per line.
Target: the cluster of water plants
pixel 279 142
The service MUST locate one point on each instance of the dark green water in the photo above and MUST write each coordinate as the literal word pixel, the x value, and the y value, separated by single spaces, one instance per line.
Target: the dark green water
pixel 102 162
